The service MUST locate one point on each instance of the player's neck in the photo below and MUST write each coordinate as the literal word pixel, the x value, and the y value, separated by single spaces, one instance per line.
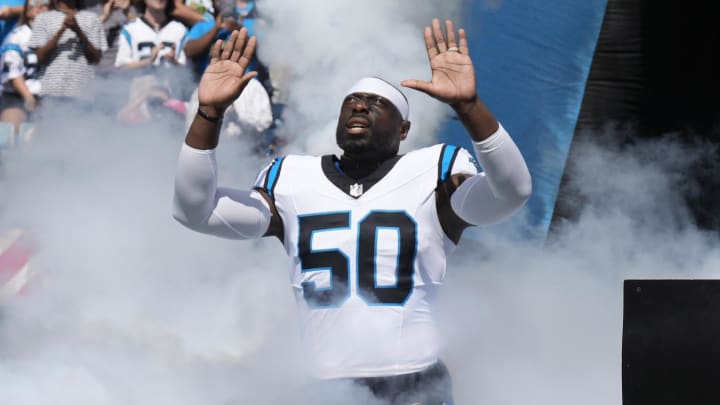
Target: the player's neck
pixel 357 168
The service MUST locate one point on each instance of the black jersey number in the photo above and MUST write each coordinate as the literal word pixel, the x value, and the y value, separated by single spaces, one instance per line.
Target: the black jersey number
pixel 338 263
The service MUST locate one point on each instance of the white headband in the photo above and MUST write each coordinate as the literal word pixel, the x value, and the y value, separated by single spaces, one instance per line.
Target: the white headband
pixel 382 88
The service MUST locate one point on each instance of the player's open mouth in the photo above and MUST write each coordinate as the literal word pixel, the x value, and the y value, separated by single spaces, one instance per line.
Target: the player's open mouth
pixel 357 125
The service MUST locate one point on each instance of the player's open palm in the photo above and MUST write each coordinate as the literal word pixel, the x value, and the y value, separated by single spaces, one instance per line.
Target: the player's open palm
pixel 453 74
pixel 225 78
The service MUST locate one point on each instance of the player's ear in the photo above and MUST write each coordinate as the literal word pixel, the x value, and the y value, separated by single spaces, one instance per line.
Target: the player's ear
pixel 404 129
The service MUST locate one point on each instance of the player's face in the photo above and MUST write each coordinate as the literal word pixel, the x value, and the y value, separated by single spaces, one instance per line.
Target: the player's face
pixel 370 127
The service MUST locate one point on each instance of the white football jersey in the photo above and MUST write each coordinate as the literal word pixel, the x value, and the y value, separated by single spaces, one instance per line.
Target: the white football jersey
pixel 18 60
pixel 366 257
pixel 138 40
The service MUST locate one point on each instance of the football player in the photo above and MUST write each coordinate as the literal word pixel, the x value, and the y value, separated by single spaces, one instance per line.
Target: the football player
pixel 368 233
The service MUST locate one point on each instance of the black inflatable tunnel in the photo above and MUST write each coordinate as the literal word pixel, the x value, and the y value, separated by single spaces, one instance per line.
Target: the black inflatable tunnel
pixel 656 71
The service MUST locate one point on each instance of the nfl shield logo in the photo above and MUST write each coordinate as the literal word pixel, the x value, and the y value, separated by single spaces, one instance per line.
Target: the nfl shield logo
pixel 356 190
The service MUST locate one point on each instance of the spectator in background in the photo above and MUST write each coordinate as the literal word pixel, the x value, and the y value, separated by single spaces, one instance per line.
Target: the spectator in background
pixel 67 40
pixel 110 95
pixel 114 14
pixel 202 7
pixel 150 48
pixel 151 101
pixel 152 40
pixel 251 114
pixel 248 13
pixel 19 63
pixel 188 13
pixel 203 35
pixel 10 11
pixel 246 10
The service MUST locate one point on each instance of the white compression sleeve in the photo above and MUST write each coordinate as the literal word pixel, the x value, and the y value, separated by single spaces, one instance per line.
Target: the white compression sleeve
pixel 501 189
pixel 200 205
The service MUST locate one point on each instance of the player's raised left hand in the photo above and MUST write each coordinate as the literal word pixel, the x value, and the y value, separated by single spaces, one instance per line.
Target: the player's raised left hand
pixel 453 74
pixel 225 77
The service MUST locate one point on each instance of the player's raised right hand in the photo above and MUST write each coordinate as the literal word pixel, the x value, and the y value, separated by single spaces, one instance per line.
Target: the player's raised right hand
pixel 225 77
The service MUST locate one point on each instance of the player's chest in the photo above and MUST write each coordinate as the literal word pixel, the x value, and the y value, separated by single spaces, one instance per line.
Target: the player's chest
pixel 380 225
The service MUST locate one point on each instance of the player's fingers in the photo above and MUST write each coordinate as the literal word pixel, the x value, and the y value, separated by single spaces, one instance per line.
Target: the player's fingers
pixel 463 45
pixel 415 84
pixel 239 45
pixel 229 46
pixel 450 29
pixel 248 52
pixel 430 43
pixel 215 51
pixel 438 34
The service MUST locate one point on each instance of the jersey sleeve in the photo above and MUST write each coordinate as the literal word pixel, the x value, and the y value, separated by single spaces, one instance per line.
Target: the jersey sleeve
pixel 202 206
pixel 500 190
pixel 267 179
pixel 180 48
pixel 124 52
pixel 181 58
pixel 198 30
pixel 13 63
pixel 464 163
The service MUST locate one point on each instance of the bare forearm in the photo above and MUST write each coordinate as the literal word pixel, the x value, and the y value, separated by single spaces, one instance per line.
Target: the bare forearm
pixel 204 133
pixel 7 12
pixel 20 86
pixel 137 64
pixel 187 15
pixel 44 52
pixel 200 46
pixel 92 54
pixel 107 12
pixel 477 119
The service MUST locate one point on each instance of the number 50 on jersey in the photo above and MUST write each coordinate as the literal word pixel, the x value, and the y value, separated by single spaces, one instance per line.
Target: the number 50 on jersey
pixel 386 242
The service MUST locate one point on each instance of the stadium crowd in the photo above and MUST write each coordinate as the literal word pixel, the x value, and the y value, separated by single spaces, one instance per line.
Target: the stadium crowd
pixel 137 60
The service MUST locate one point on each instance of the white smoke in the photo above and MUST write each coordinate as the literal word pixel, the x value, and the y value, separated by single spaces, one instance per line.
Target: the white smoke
pixel 544 326
pixel 129 307
pixel 132 308
pixel 324 47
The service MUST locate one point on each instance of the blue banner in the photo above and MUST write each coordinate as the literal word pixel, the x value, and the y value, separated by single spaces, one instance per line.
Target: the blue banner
pixel 532 60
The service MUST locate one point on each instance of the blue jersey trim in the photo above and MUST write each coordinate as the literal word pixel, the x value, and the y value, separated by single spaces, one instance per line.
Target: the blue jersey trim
pixel 12 47
pixel 126 34
pixel 272 176
pixel 448 156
